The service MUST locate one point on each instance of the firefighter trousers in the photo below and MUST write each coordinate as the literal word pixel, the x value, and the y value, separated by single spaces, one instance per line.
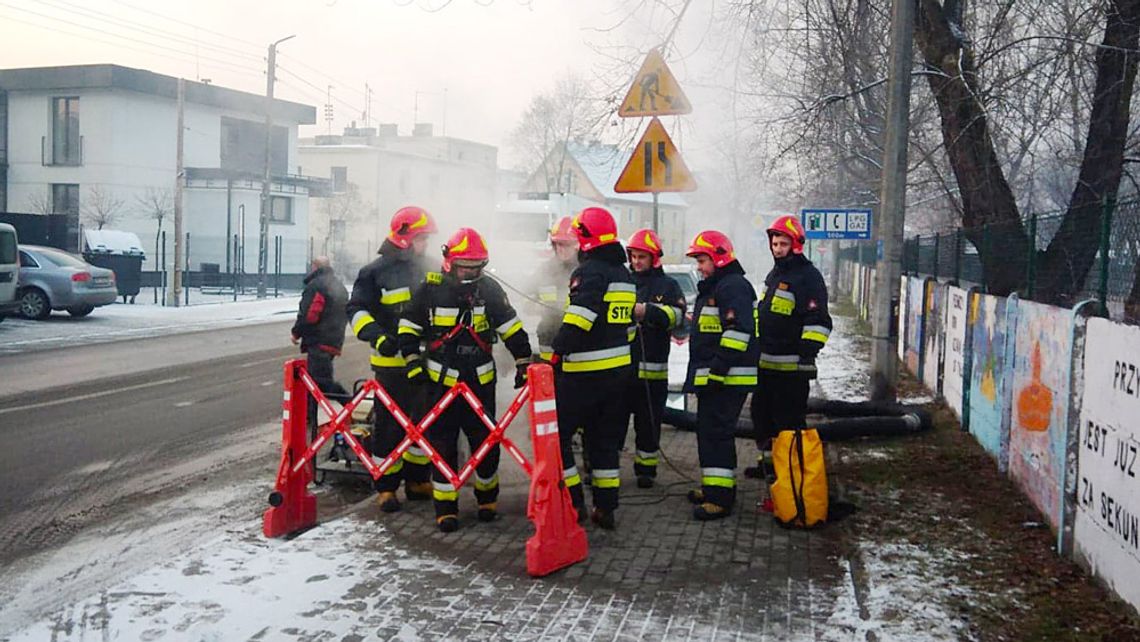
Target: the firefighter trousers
pixel 444 437
pixel 718 410
pixel 646 402
pixel 387 432
pixel 594 402
pixel 779 403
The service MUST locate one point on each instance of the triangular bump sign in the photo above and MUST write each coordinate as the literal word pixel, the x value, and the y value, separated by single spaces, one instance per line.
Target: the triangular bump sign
pixel 656 165
pixel 655 91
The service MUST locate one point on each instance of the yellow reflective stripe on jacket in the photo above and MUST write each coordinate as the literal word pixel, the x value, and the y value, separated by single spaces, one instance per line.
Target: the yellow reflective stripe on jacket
pixel 392 297
pixel 720 477
pixel 579 316
pixel 671 311
pixel 509 328
pixel 359 320
pixel 709 321
pixel 738 376
pixel 779 362
pixel 631 333
pixel 548 294
pixel 380 361
pixel 734 340
pixel 653 371
pixel 593 360
pixel 486 372
pixel 815 333
pixel 409 327
pixel 783 302
pixel 435 373
pixel 445 317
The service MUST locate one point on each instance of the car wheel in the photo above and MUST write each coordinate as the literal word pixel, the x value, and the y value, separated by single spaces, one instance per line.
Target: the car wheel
pixel 80 310
pixel 34 304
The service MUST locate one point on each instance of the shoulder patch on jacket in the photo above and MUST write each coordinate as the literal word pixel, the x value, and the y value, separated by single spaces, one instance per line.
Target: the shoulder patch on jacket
pixel 435 278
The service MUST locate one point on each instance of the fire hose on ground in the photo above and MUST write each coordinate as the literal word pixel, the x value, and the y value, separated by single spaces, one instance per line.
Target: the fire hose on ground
pixel 842 420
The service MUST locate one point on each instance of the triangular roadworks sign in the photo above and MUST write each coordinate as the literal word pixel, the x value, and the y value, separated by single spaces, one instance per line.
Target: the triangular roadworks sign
pixel 655 91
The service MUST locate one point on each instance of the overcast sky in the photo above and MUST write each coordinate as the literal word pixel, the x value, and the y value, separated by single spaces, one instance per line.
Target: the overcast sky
pixel 491 56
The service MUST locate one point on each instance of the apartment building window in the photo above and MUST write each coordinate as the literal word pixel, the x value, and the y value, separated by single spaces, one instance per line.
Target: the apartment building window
pixel 339 180
pixel 281 209
pixel 65 198
pixel 65 141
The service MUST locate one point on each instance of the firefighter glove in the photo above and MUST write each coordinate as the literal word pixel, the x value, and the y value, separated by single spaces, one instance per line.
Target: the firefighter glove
pixel 520 373
pixel 386 345
pixel 414 371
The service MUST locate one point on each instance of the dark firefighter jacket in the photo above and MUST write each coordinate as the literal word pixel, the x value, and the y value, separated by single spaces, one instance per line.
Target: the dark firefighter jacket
pixel 792 316
pixel 321 317
pixel 594 332
pixel 664 311
pixel 553 278
pixel 381 292
pixel 722 341
pixel 440 304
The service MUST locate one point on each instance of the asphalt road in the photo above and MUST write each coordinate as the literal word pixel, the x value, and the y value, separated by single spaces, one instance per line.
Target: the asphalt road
pixel 89 432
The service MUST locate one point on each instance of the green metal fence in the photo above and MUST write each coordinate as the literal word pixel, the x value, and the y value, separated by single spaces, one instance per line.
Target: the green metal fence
pixel 951 255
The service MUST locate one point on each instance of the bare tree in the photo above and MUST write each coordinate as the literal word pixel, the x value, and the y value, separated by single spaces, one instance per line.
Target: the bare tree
pixel 39 202
pixel 568 113
pixel 102 207
pixel 156 204
pixel 342 209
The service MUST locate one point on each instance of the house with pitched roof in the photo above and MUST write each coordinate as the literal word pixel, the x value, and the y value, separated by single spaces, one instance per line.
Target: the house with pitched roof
pixel 588 172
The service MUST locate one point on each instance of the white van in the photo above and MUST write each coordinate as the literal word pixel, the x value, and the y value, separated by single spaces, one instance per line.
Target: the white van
pixel 9 270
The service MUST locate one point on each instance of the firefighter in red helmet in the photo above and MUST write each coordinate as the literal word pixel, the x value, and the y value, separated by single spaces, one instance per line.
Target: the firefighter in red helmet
pixel 659 310
pixel 550 283
pixel 382 290
pixel 592 361
pixel 722 368
pixel 794 325
pixel 446 334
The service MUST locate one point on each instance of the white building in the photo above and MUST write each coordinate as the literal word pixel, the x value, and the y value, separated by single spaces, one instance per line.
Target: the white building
pixel 98 143
pixel 574 176
pixel 374 172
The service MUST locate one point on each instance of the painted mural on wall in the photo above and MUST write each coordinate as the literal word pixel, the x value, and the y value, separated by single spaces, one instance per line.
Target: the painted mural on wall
pixel 1107 522
pixel 915 300
pixel 932 336
pixel 989 384
pixel 1041 371
pixel 954 327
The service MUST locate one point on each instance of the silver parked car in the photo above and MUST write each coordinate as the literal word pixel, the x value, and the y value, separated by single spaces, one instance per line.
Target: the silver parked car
pixel 52 279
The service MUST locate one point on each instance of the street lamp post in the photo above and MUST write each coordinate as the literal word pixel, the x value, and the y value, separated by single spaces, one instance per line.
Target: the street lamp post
pixel 263 237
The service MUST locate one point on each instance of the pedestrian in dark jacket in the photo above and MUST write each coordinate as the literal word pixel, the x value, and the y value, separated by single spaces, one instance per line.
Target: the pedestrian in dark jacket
pixel 320 324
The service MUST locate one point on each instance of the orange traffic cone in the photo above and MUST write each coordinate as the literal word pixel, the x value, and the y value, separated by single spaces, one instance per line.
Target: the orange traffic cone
pixel 558 540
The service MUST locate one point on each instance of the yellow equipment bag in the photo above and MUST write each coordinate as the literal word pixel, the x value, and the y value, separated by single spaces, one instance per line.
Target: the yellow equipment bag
pixel 799 496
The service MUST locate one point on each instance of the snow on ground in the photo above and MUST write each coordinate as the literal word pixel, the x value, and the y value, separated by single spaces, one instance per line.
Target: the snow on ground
pixel 124 321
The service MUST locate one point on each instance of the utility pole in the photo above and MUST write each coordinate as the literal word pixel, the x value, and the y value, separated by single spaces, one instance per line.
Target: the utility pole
pixel 885 297
pixel 329 109
pixel 174 294
pixel 263 236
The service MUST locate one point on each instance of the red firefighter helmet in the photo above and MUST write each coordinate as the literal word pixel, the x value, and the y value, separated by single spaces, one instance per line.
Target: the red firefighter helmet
pixel 790 227
pixel 408 223
pixel 563 231
pixel 715 245
pixel 465 245
pixel 647 241
pixel 595 227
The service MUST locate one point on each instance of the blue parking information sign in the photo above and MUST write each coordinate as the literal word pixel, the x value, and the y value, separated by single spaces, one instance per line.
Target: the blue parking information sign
pixel 843 224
